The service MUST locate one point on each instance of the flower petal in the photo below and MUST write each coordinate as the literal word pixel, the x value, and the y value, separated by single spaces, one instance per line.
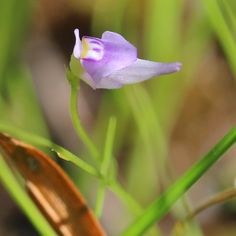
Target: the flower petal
pixel 103 84
pixel 92 49
pixel 118 54
pixel 142 70
pixel 107 83
pixel 77 47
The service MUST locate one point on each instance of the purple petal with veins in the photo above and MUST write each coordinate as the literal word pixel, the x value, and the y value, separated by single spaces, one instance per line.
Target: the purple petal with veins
pixel 118 54
pixel 111 62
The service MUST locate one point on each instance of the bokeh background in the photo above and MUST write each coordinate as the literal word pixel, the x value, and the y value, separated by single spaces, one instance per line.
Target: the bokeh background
pixel 164 124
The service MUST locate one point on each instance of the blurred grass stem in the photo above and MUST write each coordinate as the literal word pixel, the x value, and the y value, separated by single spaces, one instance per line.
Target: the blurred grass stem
pixel 105 164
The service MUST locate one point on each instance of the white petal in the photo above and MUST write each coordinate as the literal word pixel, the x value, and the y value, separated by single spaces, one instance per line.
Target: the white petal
pixel 142 70
pixel 77 47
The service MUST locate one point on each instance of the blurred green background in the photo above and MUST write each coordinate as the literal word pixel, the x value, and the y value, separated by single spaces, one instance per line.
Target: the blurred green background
pixel 164 124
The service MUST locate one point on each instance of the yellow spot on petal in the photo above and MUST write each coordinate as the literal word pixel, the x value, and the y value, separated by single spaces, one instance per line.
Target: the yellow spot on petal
pixel 85 48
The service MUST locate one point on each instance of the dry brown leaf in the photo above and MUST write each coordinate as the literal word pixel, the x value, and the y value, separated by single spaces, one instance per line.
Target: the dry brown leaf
pixel 51 189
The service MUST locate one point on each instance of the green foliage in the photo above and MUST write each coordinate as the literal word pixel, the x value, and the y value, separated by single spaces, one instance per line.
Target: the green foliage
pixel 164 30
pixel 13 22
pixel 17 96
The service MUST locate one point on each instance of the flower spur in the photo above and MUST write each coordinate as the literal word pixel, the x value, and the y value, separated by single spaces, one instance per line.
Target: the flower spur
pixel 111 62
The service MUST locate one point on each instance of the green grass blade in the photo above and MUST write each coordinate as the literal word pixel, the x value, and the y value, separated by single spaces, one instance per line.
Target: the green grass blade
pixel 23 200
pixel 43 142
pixel 17 97
pixel 162 24
pixel 161 206
pixel 13 23
pixel 21 101
pixel 230 11
pixel 222 30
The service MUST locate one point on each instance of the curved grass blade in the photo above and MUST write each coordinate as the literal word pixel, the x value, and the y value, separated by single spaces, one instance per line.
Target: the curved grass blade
pixel 222 30
pixel 161 206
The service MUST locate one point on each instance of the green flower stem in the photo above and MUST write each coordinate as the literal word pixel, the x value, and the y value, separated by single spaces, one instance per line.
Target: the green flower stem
pixel 77 124
pixel 161 206
pixel 23 200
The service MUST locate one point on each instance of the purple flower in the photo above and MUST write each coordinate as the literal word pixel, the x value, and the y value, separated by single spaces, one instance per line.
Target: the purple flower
pixel 111 62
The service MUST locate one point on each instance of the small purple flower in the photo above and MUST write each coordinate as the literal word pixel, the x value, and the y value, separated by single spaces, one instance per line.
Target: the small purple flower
pixel 111 62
